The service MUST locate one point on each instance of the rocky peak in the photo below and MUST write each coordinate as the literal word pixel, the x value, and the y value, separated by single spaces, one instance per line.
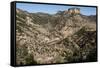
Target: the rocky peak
pixel 71 11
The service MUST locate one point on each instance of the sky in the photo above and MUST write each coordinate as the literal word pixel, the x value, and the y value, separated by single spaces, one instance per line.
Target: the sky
pixel 52 9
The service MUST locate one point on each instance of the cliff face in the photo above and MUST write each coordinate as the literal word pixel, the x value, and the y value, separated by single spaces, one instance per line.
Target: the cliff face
pixel 72 11
pixel 43 38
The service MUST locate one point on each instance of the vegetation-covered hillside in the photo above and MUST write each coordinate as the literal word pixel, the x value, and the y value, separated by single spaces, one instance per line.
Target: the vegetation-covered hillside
pixel 63 37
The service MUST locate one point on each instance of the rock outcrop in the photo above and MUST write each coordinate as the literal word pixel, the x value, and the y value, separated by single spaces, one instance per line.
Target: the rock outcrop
pixel 72 11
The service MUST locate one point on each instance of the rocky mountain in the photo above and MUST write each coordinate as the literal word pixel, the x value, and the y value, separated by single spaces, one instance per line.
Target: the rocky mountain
pixel 63 37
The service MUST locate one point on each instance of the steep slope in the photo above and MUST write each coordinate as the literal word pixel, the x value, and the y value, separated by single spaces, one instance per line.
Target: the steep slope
pixel 43 38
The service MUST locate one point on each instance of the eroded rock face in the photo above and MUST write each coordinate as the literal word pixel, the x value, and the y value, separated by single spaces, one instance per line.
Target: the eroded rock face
pixel 74 10
pixel 43 38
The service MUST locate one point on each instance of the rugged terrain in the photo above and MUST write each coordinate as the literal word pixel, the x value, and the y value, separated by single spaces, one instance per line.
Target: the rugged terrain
pixel 43 38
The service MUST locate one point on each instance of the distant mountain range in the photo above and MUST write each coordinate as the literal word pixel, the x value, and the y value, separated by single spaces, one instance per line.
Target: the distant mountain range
pixel 43 38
